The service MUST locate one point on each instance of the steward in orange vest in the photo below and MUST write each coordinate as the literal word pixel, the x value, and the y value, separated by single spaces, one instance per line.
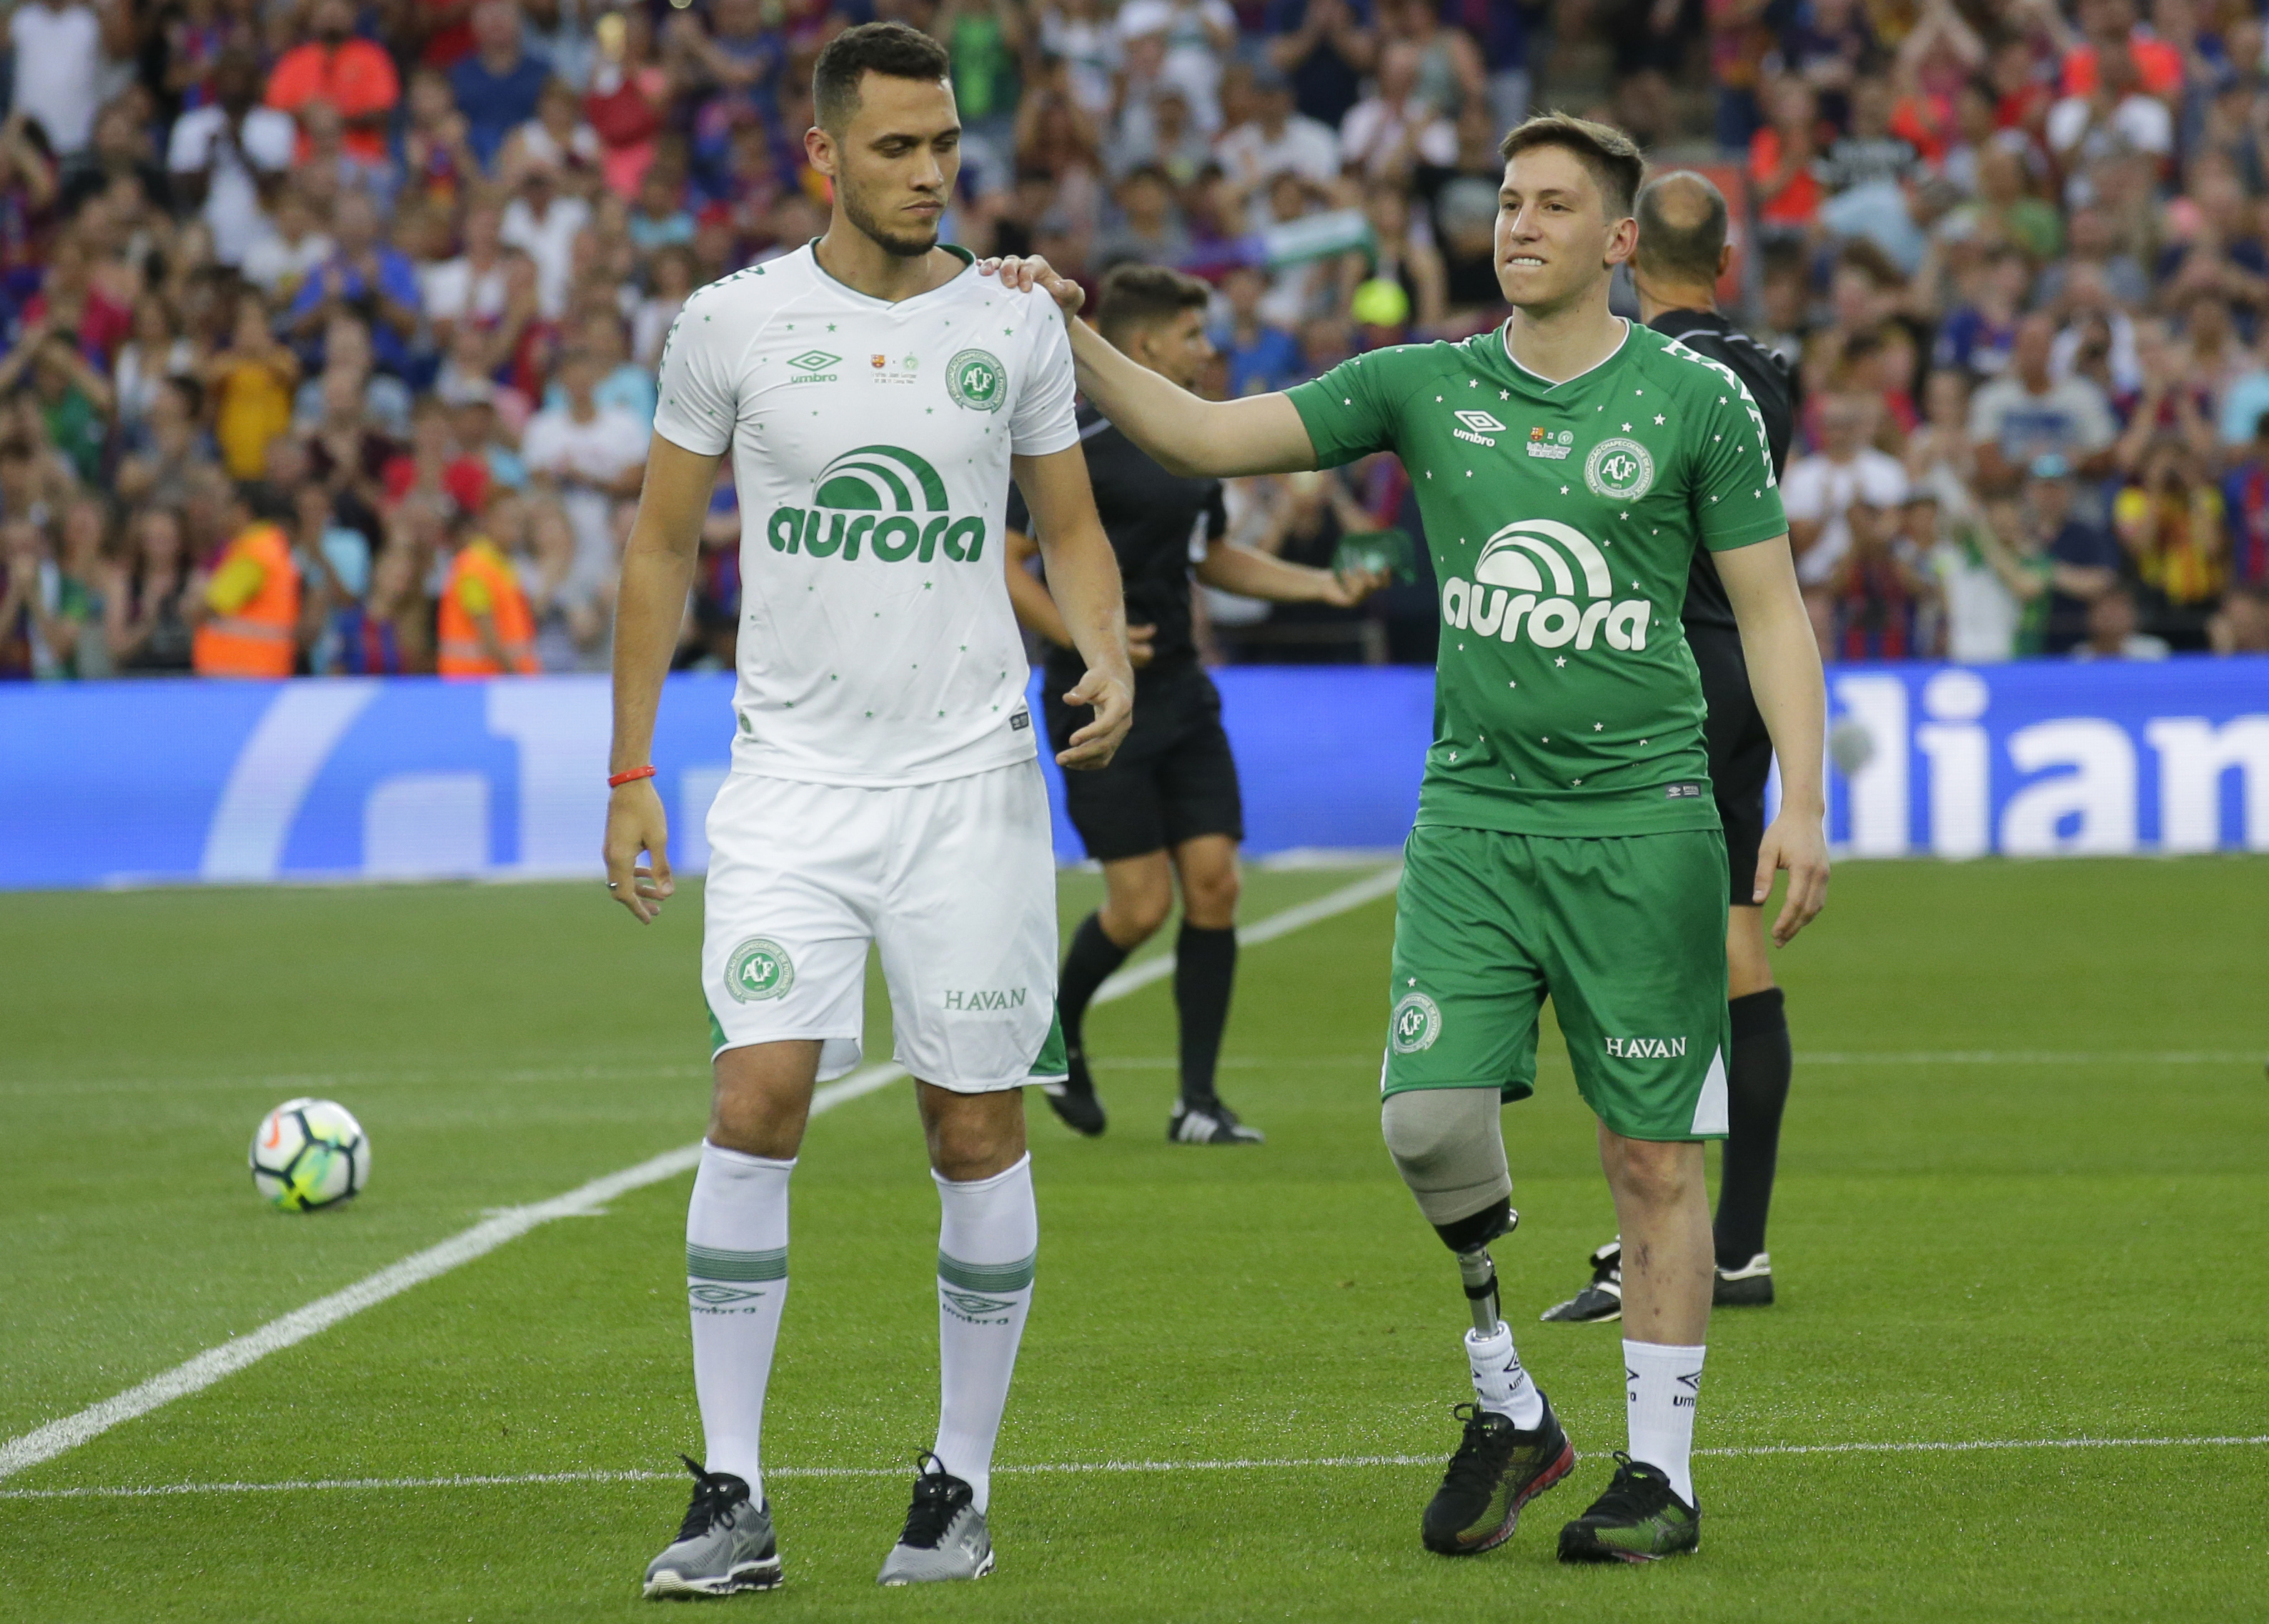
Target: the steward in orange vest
pixel 248 620
pixel 487 628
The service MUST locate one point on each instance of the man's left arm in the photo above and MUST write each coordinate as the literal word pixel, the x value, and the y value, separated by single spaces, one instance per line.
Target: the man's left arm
pixel 1249 572
pixel 1083 579
pixel 1783 661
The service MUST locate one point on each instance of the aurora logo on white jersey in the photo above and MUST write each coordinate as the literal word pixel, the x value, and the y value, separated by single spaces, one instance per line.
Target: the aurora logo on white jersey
pixel 882 499
pixel 1523 578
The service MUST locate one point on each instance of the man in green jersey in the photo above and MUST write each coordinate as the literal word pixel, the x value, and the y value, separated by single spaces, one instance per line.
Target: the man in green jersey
pixel 1567 845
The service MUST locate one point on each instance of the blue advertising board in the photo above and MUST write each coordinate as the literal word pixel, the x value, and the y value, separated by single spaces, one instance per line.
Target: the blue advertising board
pixel 154 782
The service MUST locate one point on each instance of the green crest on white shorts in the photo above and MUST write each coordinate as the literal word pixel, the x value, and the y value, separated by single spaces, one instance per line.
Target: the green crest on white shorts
pixel 1418 1024
pixel 976 379
pixel 760 969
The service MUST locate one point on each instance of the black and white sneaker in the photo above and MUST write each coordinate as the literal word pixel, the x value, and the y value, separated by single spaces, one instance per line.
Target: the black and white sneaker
pixel 1208 1122
pixel 1602 1300
pixel 1750 1286
pixel 1074 1100
pixel 945 1536
pixel 724 1545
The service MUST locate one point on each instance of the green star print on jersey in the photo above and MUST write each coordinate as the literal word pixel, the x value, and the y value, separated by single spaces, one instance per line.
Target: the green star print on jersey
pixel 1562 519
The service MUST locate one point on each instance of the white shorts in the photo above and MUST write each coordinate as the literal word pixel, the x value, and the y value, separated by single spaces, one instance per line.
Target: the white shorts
pixel 954 882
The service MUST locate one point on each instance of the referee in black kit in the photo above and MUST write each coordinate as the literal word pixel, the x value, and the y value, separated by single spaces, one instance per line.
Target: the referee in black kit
pixel 1167 807
pixel 1682 253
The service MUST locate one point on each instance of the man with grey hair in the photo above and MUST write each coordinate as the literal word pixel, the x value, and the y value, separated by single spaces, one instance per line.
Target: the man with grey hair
pixel 1682 253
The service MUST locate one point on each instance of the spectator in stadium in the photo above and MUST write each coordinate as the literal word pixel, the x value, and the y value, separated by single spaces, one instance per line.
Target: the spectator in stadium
pixel 543 221
pixel 486 628
pixel 1819 492
pixel 250 384
pixel 354 77
pixel 1876 588
pixel 2088 559
pixel 2112 632
pixel 224 155
pixel 1398 126
pixel 146 602
pixel 2169 521
pixel 246 613
pixel 1276 139
pixel 365 279
pixel 498 85
pixel 587 457
pixel 2028 413
pixel 1326 48
pixel 58 49
pixel 2241 626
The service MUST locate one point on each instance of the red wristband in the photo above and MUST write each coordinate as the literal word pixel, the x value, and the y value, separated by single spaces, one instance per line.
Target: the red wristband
pixel 616 780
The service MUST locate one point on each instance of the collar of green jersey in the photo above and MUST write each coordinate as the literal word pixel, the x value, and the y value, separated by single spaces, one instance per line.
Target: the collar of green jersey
pixel 1492 352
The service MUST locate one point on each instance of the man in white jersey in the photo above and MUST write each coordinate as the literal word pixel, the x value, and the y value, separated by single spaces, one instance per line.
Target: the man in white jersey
pixel 876 394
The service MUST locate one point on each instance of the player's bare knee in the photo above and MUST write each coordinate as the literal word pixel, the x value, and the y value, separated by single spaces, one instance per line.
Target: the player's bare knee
pixel 1748 969
pixel 1653 1173
pixel 761 1097
pixel 972 1136
pixel 1448 1144
pixel 1209 896
pixel 1132 914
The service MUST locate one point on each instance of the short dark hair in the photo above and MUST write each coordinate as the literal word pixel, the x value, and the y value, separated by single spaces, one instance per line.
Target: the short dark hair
pixel 1609 154
pixel 1682 228
pixel 1139 295
pixel 892 50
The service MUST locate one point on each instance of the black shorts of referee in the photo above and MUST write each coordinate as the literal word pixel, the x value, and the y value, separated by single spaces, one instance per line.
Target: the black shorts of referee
pixel 1741 752
pixel 1172 780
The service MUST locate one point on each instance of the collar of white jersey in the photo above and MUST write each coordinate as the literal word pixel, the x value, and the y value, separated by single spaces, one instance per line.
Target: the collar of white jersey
pixel 836 284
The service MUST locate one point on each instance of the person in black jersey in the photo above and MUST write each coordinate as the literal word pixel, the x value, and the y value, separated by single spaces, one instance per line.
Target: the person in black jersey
pixel 1682 253
pixel 1167 808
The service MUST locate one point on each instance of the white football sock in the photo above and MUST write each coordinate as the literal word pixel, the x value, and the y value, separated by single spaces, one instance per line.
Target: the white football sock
pixel 988 1239
pixel 736 1285
pixel 1663 1382
pixel 1501 1382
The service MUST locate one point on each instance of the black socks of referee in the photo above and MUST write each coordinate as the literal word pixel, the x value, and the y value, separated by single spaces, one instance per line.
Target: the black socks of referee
pixel 1757 1090
pixel 1093 957
pixel 1205 968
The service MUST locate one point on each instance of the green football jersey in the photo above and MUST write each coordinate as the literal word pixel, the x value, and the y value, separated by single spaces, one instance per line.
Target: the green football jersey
pixel 1562 519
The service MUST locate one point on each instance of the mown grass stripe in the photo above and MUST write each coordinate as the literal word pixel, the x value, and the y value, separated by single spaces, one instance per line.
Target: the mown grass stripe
pixel 67 1432
pixel 1042 1468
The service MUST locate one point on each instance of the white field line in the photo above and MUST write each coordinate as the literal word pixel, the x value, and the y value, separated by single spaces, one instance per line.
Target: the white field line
pixel 1117 986
pixel 68 1432
pixel 306 1486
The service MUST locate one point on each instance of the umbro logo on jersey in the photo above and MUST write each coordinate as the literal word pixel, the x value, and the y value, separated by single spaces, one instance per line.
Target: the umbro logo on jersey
pixel 1479 426
pixel 1524 580
pixel 812 367
pixel 884 500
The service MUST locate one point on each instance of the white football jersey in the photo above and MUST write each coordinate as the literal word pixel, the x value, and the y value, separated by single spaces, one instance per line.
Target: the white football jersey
pixel 870 447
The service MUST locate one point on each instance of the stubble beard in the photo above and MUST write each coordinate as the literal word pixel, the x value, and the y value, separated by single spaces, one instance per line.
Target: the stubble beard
pixel 895 244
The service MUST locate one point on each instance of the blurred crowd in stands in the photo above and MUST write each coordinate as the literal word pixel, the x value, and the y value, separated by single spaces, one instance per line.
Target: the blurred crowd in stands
pixel 332 324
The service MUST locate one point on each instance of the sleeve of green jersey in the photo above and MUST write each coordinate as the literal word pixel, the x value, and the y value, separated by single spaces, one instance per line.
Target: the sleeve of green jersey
pixel 1348 410
pixel 1736 499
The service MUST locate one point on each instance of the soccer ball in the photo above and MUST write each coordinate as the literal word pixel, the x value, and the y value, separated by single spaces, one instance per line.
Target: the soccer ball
pixel 309 1153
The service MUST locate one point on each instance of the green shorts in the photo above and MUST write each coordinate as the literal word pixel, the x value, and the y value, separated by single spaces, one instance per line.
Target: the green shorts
pixel 1627 935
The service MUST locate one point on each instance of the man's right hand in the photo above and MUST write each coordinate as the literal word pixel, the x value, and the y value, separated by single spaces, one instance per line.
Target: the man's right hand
pixel 1139 652
pixel 1024 272
pixel 635 823
pixel 1094 745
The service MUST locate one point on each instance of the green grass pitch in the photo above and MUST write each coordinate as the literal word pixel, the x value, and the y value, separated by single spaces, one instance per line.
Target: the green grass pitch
pixel 2022 1199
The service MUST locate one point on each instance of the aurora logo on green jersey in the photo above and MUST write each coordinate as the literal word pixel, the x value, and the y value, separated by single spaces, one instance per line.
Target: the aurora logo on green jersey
pixel 881 500
pixel 1529 577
